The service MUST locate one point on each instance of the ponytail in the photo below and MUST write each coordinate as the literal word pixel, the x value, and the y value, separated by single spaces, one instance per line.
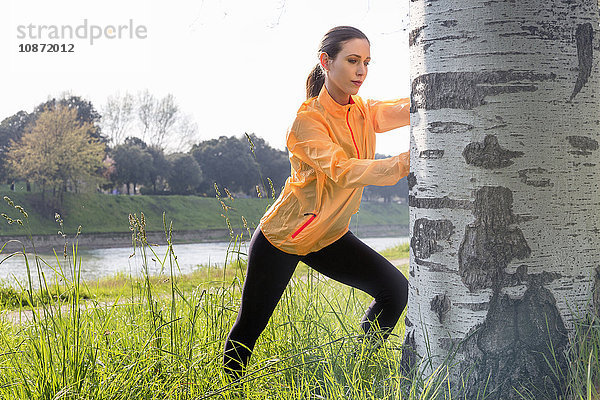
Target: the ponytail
pixel 315 82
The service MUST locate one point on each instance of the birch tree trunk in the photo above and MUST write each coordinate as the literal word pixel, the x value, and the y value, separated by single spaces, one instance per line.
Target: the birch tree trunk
pixel 504 189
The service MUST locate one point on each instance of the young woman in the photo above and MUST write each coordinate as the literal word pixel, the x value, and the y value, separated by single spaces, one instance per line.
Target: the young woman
pixel 331 145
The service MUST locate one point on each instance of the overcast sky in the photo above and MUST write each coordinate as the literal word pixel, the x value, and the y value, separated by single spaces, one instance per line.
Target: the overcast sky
pixel 234 65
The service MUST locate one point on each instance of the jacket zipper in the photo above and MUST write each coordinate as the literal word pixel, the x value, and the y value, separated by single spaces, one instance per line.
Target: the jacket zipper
pixel 352 133
pixel 312 216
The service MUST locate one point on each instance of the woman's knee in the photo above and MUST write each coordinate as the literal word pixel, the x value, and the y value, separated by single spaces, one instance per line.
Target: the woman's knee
pixel 395 292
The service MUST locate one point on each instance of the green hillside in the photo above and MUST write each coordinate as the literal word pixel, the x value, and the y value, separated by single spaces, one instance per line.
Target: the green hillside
pixel 104 213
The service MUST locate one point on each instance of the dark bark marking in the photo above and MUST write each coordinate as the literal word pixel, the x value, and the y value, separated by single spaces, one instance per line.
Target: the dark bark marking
pixel 494 53
pixel 489 154
pixel 464 35
pixel 518 277
pixel 426 233
pixel 524 174
pixel 502 22
pixel 500 124
pixel 430 264
pixel 584 35
pixel 448 127
pixel 431 154
pixel 411 180
pixel 490 244
pixel 407 322
pixel 521 277
pixel 583 143
pixel 510 346
pixel 467 90
pixel 509 34
pixel 440 304
pixel 438 202
pixel 542 278
pixel 543 30
pixel 449 23
pixel 474 306
pixel 568 288
pixel 589 165
pixel 434 267
pixel 414 35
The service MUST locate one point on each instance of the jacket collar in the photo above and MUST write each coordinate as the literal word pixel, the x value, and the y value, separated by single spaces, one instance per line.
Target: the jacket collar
pixel 332 106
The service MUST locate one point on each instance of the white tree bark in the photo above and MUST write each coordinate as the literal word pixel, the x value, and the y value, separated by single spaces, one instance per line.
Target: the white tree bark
pixel 504 188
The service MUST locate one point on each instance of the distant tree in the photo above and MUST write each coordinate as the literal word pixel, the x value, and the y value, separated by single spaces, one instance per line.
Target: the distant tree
pixel 118 116
pixel 184 135
pixel 185 174
pixel 159 171
pixel 108 172
pixel 57 150
pixel 160 166
pixel 132 162
pixel 162 122
pixel 228 162
pixel 136 141
pixel 272 163
pixel 388 193
pixel 11 130
pixel 85 112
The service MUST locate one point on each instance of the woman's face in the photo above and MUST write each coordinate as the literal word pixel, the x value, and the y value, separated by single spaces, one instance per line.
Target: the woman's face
pixel 346 73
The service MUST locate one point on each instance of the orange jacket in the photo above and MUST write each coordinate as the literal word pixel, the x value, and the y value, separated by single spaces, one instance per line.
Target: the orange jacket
pixel 331 149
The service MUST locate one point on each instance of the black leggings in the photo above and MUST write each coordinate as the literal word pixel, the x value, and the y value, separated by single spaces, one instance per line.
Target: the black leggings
pixel 347 260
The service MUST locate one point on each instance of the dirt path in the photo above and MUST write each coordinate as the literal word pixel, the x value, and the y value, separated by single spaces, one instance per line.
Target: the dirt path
pixel 17 317
pixel 26 316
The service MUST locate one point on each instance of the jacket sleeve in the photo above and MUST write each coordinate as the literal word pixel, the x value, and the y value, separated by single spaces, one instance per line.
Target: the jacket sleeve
pixel 308 139
pixel 389 114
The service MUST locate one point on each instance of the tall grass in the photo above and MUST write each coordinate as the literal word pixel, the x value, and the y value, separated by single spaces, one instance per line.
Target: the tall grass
pixel 151 343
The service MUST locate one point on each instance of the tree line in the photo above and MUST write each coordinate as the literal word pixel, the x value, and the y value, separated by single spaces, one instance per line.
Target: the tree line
pixel 140 143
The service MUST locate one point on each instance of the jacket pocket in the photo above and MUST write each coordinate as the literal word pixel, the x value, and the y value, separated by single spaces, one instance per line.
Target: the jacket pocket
pixel 304 225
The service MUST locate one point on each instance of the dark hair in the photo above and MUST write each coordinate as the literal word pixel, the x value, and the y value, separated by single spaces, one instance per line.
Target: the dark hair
pixel 331 44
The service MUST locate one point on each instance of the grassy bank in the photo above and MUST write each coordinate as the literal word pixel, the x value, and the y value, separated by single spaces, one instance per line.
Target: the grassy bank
pixel 100 213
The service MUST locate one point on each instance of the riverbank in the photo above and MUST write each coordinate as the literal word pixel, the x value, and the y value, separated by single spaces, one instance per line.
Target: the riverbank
pixel 88 241
pixel 104 219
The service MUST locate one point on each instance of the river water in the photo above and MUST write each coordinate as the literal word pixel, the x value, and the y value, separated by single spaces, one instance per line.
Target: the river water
pixel 98 263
